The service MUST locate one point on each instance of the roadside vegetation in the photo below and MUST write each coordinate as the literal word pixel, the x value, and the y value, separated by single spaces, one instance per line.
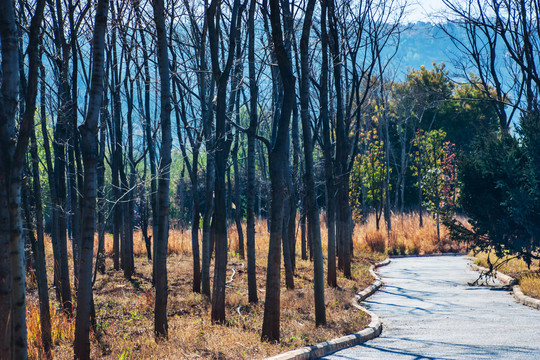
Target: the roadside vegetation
pixel 527 275
pixel 124 309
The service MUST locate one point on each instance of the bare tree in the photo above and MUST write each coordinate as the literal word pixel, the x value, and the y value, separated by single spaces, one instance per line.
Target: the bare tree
pixel 278 163
pixel 223 144
pixel 312 210
pixel 14 145
pixel 162 227
pixel 89 144
pixel 251 133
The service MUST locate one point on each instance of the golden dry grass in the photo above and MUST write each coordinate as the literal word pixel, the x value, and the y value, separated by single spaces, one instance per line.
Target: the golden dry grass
pixel 406 237
pixel 528 277
pixel 124 309
pixel 62 328
pixel 530 285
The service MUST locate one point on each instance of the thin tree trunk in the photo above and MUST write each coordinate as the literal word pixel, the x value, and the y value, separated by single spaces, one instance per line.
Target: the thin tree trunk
pixel 60 143
pixel 278 162
pixel 223 143
pixel 287 262
pixel 252 130
pixel 420 210
pixel 312 210
pixel 89 143
pixel 195 226
pixel 100 260
pixel 238 199
pixel 327 152
pixel 148 123
pixel 129 269
pixel 343 231
pixel 74 213
pixel 210 180
pixel 39 255
pixel 303 231
pixel 161 238
pixel 52 188
pixel 12 271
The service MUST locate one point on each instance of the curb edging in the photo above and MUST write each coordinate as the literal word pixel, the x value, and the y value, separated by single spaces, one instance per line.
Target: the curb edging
pixel 516 290
pixel 373 330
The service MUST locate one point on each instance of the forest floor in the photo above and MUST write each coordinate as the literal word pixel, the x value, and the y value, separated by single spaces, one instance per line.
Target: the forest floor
pixel 528 277
pixel 125 308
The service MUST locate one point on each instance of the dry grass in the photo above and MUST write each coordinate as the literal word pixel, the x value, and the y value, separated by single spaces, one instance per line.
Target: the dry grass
pixel 528 277
pixel 530 285
pixel 61 325
pixel 406 237
pixel 124 309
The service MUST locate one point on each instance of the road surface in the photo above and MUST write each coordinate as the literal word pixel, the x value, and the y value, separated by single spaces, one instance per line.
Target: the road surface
pixel 429 311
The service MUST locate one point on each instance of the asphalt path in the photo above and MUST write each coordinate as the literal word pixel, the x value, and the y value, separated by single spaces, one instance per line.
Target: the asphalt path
pixel 429 311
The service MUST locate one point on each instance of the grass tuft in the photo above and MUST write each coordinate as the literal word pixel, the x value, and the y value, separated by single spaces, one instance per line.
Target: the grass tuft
pixel 406 237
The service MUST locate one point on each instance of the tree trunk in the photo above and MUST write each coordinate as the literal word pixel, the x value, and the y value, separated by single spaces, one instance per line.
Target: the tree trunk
pixel 74 213
pixel 223 143
pixel 39 255
pixel 89 144
pixel 328 157
pixel 129 268
pixel 9 236
pixel 12 269
pixel 148 124
pixel 312 210
pixel 161 238
pixel 118 180
pixel 52 188
pixel 252 130
pixel 60 143
pixel 100 260
pixel 195 226
pixel 343 231
pixel 287 261
pixel 303 231
pixel 210 180
pixel 238 199
pixel 420 210
pixel 278 168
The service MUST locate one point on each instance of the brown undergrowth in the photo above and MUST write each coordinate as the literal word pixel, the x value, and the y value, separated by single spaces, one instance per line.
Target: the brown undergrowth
pixel 528 277
pixel 124 309
pixel 406 237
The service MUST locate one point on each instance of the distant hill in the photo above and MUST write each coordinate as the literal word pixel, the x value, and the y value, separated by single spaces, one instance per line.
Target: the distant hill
pixel 422 44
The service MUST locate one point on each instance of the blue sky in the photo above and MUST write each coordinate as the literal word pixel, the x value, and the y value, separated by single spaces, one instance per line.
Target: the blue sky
pixel 422 10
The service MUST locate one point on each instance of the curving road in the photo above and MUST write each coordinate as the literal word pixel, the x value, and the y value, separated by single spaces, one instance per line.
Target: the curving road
pixel 429 312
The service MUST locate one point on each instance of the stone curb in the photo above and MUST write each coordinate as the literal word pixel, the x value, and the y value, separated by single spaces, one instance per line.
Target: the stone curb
pixel 524 299
pixel 327 347
pixel 516 290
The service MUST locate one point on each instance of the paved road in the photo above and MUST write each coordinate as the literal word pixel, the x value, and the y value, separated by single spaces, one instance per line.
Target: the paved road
pixel 429 312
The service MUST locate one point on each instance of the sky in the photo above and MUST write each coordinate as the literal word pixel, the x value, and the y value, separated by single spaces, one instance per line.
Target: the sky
pixel 423 10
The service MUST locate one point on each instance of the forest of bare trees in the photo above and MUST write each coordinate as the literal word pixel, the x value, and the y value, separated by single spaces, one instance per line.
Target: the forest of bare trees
pixel 121 119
